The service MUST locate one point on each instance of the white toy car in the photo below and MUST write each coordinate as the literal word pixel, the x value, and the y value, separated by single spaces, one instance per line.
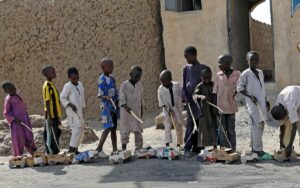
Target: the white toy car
pixel 249 156
pixel 147 152
pixel 119 157
pixel 167 153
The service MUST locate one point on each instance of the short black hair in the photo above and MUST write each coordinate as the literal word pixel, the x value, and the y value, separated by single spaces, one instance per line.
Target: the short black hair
pixel 7 84
pixel 226 58
pixel 190 50
pixel 206 71
pixel 251 53
pixel 165 74
pixel 46 68
pixel 136 68
pixel 72 70
pixel 278 112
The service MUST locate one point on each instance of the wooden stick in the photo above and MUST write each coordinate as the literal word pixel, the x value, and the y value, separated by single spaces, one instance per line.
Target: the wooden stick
pixel 27 127
pixel 110 99
pixel 194 121
pixel 211 104
pixel 136 117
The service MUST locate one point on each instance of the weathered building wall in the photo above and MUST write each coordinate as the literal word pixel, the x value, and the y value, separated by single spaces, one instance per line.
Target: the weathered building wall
pixel 239 32
pixel 79 33
pixel 286 37
pixel 205 29
pixel 262 42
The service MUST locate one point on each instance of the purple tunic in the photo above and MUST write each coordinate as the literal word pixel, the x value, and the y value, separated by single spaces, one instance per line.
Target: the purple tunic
pixel 191 78
pixel 14 107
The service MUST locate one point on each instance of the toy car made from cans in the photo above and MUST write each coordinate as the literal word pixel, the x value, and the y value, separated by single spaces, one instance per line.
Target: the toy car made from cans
pixel 62 158
pixel 119 157
pixel 83 157
pixel 167 153
pixel 16 162
pixel 146 152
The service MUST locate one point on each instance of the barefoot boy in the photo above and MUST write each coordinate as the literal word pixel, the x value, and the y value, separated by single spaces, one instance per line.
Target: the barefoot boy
pixel 169 98
pixel 225 89
pixel 72 98
pixel 192 73
pixel 131 99
pixel 286 110
pixel 16 114
pixel 52 111
pixel 251 84
pixel 108 95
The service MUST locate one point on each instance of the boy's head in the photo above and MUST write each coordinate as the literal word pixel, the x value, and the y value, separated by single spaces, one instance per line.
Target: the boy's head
pixel 206 76
pixel 253 59
pixel 165 78
pixel 225 62
pixel 107 65
pixel 190 54
pixel 9 88
pixel 49 72
pixel 279 112
pixel 135 74
pixel 73 75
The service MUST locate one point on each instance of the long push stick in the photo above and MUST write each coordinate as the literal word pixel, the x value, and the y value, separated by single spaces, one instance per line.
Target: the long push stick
pixel 136 117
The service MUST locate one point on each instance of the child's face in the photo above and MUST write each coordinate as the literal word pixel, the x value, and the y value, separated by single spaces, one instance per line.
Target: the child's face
pixel 108 68
pixel 224 65
pixel 206 78
pixel 166 82
pixel 253 61
pixel 190 58
pixel 74 78
pixel 135 76
pixel 51 74
pixel 11 90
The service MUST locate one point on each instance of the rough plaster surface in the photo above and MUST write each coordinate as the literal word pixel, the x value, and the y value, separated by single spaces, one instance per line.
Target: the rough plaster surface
pixel 205 29
pixel 79 33
pixel 286 37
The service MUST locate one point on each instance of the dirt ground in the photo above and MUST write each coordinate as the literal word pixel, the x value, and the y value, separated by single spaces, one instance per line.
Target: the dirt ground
pixel 162 173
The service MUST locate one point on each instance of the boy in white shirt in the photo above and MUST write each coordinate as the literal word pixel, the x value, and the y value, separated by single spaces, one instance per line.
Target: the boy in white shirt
pixel 72 98
pixel 169 98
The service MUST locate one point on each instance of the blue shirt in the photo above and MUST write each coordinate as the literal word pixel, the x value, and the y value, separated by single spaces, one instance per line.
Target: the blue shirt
pixel 107 87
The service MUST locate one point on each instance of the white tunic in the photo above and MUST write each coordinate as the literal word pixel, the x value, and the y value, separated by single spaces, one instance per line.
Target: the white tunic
pixel 289 97
pixel 132 96
pixel 256 87
pixel 164 98
pixel 73 94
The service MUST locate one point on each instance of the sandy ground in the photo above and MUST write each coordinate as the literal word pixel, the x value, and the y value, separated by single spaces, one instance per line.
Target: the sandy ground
pixel 162 173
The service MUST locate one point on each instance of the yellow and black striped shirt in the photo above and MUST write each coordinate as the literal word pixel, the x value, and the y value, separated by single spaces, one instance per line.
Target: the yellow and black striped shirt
pixel 50 94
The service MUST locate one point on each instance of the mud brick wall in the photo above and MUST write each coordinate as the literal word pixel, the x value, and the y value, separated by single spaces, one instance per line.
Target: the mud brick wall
pixel 262 41
pixel 79 33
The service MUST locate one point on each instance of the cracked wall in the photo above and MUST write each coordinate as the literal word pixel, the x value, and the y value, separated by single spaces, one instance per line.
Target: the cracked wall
pixel 79 33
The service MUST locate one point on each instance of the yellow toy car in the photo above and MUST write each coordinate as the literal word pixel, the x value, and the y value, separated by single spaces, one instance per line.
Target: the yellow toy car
pixel 59 159
pixel 39 159
pixel 17 162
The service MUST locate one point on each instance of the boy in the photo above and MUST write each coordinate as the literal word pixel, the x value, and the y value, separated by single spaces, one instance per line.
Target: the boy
pixel 72 98
pixel 208 123
pixel 192 74
pixel 286 110
pixel 251 84
pixel 131 99
pixel 52 111
pixel 108 95
pixel 225 89
pixel 169 98
pixel 16 114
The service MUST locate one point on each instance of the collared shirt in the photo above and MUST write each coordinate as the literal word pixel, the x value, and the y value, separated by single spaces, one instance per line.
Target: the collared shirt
pixel 50 94
pixel 289 97
pixel 225 88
